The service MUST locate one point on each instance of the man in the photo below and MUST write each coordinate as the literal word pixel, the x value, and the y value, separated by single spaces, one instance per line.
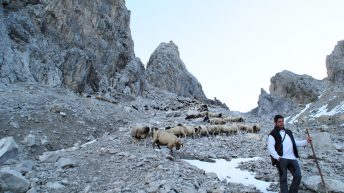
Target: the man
pixel 283 148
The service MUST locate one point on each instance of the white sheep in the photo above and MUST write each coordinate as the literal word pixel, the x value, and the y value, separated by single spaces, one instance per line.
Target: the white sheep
pixel 217 121
pixel 233 119
pixel 203 131
pixel 246 128
pixel 190 130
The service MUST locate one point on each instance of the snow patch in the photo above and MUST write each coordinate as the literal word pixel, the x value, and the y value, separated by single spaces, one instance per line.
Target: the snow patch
pixel 228 170
pixel 323 110
pixel 293 120
pixel 83 145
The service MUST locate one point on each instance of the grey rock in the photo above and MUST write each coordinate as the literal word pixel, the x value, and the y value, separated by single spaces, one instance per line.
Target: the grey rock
pixel 165 70
pixel 15 124
pixel 271 105
pixel 335 64
pixel 314 183
pixel 8 149
pixel 30 140
pixel 25 166
pixel 302 89
pixel 322 143
pixel 51 156
pixel 66 163
pixel 13 181
pixel 32 190
pixel 54 185
pixel 84 46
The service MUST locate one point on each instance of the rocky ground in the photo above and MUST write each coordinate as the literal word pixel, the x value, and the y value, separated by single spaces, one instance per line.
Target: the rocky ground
pixel 74 143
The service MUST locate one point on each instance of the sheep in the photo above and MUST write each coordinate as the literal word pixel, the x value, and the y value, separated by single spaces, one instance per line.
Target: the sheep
pixel 190 131
pixel 140 132
pixel 214 129
pixel 234 119
pixel 225 129
pixel 195 116
pixel 203 131
pixel 161 137
pixel 246 128
pixel 177 131
pixel 210 114
pixel 217 121
pixel 233 129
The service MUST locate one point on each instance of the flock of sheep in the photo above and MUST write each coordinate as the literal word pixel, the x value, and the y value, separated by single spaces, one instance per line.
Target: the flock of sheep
pixel 171 136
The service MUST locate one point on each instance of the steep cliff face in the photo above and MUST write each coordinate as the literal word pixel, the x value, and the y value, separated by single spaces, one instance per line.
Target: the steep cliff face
pixel 167 71
pixel 335 64
pixel 82 45
pixel 272 105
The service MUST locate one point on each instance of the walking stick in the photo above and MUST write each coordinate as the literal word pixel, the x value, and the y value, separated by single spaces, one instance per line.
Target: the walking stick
pixel 316 161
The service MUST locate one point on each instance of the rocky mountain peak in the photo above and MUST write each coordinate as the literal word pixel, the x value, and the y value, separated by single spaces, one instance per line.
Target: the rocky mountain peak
pixel 84 46
pixel 335 64
pixel 299 88
pixel 167 71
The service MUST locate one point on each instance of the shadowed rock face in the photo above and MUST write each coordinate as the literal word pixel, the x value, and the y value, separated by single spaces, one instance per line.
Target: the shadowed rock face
pixel 335 64
pixel 81 45
pixel 167 71
pixel 272 105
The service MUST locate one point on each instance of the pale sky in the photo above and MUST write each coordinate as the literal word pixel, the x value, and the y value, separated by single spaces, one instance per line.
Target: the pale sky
pixel 234 47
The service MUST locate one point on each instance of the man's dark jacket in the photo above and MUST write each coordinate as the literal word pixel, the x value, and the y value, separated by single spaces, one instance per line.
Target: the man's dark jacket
pixel 278 139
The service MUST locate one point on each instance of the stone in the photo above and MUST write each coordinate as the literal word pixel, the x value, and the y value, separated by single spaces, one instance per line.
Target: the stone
pixel 322 142
pixel 15 124
pixel 8 149
pixel 32 190
pixel 54 185
pixel 24 167
pixel 13 181
pixel 165 70
pixel 66 163
pixel 51 156
pixel 314 183
pixel 30 140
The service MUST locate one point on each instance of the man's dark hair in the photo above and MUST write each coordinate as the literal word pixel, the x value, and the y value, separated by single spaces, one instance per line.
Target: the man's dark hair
pixel 278 117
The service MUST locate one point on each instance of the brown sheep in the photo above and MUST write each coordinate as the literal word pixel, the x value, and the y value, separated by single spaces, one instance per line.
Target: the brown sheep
pixel 161 137
pixel 177 131
pixel 140 132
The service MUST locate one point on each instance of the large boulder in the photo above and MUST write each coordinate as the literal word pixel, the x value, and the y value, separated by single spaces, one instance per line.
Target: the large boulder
pixel 8 149
pixel 81 45
pixel 165 70
pixel 302 89
pixel 322 143
pixel 335 64
pixel 314 183
pixel 13 181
